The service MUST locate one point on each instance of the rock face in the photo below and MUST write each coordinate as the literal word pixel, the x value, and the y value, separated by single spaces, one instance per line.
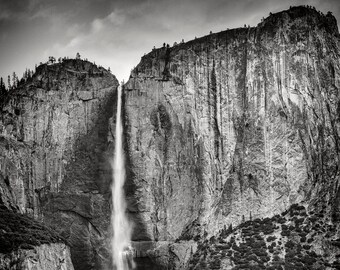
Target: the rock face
pixel 53 159
pixel 236 125
pixel 28 244
pixel 48 256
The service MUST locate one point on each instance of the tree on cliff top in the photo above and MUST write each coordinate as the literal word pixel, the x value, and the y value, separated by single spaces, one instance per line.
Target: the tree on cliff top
pixel 51 59
pixel 2 85
pixel 3 90
pixel 15 80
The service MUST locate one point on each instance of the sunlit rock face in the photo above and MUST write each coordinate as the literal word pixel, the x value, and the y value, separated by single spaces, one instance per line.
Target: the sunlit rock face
pixel 47 256
pixel 235 125
pixel 53 158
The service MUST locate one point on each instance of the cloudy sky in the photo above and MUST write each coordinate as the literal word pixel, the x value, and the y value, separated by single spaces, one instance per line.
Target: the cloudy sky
pixel 116 33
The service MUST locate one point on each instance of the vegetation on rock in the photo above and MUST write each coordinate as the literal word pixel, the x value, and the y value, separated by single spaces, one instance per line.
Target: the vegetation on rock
pixel 18 231
pixel 291 240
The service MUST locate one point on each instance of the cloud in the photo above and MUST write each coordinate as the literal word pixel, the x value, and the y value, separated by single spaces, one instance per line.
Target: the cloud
pixel 4 15
pixel 116 18
pixel 97 25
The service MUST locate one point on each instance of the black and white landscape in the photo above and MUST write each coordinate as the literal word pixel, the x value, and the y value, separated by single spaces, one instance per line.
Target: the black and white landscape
pixel 221 150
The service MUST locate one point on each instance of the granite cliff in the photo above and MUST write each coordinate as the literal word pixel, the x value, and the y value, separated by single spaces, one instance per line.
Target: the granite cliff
pixel 54 161
pixel 234 126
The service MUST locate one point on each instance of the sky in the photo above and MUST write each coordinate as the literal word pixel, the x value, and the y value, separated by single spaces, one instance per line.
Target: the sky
pixel 117 33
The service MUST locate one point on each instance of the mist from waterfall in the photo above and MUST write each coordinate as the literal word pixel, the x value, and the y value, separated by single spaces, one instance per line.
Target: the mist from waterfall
pixel 121 227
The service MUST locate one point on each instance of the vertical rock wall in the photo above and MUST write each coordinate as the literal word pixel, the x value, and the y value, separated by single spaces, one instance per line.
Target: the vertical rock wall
pixel 53 160
pixel 235 125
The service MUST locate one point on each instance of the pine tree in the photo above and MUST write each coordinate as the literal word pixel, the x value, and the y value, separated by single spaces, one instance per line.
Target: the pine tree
pixel 14 80
pixel 9 82
pixel 2 85
pixel 230 229
pixel 3 91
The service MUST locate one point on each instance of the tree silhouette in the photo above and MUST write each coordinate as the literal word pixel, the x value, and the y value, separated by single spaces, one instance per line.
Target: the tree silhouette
pixel 14 80
pixel 3 91
pixel 2 85
pixel 51 59
pixel 9 81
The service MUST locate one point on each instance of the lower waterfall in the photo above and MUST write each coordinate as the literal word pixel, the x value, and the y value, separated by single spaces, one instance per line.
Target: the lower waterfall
pixel 121 227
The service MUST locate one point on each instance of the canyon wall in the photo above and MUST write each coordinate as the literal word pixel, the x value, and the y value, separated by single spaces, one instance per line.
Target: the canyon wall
pixel 233 126
pixel 53 154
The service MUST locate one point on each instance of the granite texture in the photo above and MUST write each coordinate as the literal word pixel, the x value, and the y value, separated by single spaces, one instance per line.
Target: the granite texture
pixel 235 125
pixel 54 159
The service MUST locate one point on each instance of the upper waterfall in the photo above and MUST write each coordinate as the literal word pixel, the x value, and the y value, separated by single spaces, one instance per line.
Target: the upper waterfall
pixel 121 227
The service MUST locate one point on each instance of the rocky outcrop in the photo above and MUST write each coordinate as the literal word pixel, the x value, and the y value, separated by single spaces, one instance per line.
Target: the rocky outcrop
pixel 27 244
pixel 236 125
pixel 54 163
pixel 53 256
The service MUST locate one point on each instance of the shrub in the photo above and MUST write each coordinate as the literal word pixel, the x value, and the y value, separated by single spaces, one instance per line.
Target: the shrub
pixel 271 238
pixel 310 240
pixel 285 233
pixel 290 244
pixel 306 247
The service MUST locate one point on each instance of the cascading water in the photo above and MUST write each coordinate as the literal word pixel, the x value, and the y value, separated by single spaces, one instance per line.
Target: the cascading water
pixel 121 228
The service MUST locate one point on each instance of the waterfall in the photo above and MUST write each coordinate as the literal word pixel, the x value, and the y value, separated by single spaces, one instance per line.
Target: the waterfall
pixel 121 228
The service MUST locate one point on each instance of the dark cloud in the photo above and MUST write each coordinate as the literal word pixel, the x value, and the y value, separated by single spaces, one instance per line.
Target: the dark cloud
pixel 117 33
pixel 13 8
